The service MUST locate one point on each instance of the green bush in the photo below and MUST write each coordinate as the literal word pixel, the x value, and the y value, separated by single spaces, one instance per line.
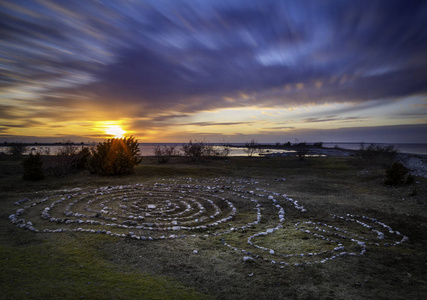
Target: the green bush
pixel 398 174
pixel 33 167
pixel 115 157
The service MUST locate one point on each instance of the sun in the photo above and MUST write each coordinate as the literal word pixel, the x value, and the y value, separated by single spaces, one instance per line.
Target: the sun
pixel 115 130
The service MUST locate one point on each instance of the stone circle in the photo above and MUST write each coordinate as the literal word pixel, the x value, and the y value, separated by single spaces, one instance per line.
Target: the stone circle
pixel 261 225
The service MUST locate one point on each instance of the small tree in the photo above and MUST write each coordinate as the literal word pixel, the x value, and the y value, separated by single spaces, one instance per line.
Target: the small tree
pixel 251 148
pixel 33 167
pixel 302 150
pixel 115 156
pixel 164 153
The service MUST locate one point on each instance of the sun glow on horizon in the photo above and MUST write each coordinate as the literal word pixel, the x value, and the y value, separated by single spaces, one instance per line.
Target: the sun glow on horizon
pixel 115 130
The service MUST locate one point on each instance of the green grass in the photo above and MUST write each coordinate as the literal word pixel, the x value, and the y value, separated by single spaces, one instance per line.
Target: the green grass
pixel 71 268
pixel 88 266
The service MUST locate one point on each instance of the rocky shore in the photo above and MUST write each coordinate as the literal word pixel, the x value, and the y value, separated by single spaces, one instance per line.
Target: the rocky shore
pixel 416 163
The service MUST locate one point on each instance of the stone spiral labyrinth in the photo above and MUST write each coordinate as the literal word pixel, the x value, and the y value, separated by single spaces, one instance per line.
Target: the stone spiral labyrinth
pixel 259 224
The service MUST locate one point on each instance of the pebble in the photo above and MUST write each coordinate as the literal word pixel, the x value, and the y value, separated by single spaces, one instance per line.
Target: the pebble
pixel 183 211
pixel 248 259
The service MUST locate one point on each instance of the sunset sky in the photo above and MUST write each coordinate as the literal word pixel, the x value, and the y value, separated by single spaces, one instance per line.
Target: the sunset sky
pixel 232 70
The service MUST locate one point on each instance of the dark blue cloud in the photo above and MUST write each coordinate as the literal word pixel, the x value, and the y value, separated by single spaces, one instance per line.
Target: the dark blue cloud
pixel 185 56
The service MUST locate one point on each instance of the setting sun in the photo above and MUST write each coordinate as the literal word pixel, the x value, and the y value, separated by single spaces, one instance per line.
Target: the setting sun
pixel 115 130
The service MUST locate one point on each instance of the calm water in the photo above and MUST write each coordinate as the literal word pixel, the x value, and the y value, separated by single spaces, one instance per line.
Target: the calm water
pixel 147 149
pixel 403 148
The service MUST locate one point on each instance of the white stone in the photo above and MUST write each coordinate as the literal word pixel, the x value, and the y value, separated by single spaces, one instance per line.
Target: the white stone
pixel 248 259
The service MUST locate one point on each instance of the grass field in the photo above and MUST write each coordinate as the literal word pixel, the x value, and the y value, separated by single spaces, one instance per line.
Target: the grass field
pixel 76 264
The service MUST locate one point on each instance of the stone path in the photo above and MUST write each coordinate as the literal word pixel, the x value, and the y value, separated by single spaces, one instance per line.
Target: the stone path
pixel 259 224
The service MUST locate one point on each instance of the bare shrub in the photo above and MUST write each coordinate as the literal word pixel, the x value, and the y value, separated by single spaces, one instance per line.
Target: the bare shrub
pixel 223 150
pixel 43 151
pixel 251 148
pixel 164 153
pixel 193 150
pixel 67 160
pixel 16 149
pixel 68 148
pixel 378 154
pixel 196 150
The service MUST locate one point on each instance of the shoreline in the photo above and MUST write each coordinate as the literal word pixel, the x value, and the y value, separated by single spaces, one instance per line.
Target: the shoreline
pixel 327 148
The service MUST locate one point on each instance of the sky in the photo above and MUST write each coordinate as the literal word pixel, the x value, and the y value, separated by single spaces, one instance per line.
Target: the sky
pixel 214 71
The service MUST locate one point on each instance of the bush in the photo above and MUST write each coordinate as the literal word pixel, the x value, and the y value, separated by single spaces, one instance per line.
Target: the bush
pixel 115 157
pixel 197 150
pixel 82 158
pixel 68 148
pixel 66 161
pixel 16 149
pixel 33 167
pixel 302 150
pixel 398 174
pixel 251 148
pixel 215 151
pixel 378 154
pixel 223 150
pixel 164 153
pixel 194 150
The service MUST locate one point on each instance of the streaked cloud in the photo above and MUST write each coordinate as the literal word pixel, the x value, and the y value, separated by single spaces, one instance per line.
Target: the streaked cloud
pixel 165 65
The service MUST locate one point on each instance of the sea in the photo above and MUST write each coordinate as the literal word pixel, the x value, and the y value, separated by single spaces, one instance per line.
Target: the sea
pixel 146 149
pixel 420 148
pixel 236 149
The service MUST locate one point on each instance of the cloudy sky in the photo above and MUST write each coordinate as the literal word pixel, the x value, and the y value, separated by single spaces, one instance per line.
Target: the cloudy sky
pixel 232 70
